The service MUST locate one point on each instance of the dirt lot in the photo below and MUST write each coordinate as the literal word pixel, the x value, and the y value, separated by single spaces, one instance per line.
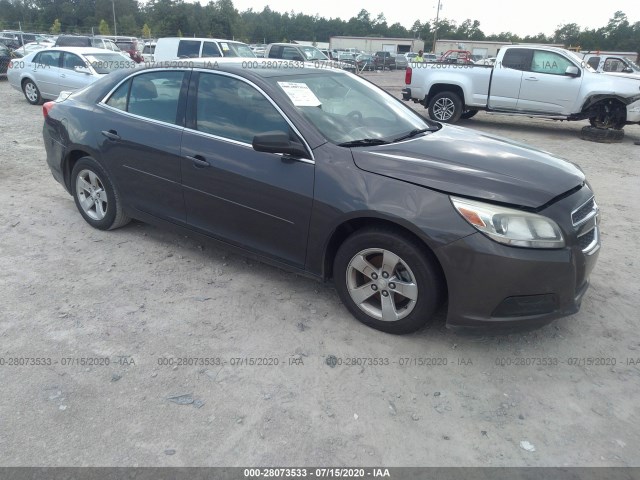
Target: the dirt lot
pixel 139 295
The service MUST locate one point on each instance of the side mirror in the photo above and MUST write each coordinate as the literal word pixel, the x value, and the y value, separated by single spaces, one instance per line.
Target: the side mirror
pixel 627 70
pixel 80 69
pixel 572 71
pixel 278 142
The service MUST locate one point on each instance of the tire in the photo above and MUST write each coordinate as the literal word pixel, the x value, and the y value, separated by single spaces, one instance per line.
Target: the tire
pixel 445 107
pixel 31 92
pixel 467 114
pixel 413 272
pixel 89 185
pixel 602 135
pixel 596 122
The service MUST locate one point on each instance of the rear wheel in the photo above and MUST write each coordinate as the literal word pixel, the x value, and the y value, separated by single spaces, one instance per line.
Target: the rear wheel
pixel 31 92
pixel 96 197
pixel 387 281
pixel 445 107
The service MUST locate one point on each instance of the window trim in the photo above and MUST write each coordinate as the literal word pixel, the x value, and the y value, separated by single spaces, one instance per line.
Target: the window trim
pixel 533 53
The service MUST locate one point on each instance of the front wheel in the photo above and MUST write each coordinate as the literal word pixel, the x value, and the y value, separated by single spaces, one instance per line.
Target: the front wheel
pixel 96 197
pixel 445 107
pixel 386 280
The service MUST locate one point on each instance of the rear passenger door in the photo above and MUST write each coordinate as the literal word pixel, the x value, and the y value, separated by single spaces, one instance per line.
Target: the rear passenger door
pixel 256 200
pixel 506 79
pixel 140 129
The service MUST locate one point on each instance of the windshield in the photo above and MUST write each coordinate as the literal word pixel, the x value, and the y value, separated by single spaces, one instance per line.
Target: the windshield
pixel 345 108
pixel 312 53
pixel 104 63
pixel 633 65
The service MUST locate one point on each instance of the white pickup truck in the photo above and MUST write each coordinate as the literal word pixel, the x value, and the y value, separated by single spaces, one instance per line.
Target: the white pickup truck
pixel 528 80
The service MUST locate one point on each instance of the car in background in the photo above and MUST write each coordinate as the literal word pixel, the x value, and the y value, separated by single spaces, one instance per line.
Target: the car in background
pixel 174 48
pixel 130 45
pixel 85 41
pixel 347 61
pixel 5 59
pixel 384 60
pixel 258 49
pixel 486 61
pixel 295 52
pixel 611 64
pixel 401 62
pixel 410 56
pixel 28 48
pixel 320 172
pixel 44 74
pixel 430 57
pixel 148 51
pixel 365 62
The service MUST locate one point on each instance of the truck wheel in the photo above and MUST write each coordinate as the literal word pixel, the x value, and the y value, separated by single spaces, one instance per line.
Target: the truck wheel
pixel 468 114
pixel 445 107
pixel 602 135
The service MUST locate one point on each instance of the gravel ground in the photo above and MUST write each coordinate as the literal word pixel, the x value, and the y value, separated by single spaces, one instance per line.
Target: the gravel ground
pixel 139 295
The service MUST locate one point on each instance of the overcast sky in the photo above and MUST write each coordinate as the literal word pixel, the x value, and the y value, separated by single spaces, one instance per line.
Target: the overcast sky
pixel 522 17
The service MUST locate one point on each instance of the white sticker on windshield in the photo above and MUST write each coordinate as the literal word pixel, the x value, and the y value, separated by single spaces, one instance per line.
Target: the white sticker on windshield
pixel 300 94
pixel 224 45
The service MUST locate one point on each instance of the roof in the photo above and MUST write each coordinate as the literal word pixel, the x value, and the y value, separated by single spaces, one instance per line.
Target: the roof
pixel 78 50
pixel 405 39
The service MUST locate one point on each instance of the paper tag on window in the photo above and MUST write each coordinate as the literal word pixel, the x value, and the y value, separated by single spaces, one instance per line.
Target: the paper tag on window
pixel 225 46
pixel 300 94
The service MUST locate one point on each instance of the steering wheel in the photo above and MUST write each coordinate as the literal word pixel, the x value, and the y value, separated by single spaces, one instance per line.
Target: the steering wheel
pixel 355 115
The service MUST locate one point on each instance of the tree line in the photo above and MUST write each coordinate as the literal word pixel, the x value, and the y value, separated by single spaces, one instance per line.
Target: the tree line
pixel 219 18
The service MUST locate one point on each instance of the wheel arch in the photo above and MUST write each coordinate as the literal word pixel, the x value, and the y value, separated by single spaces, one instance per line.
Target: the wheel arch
pixel 69 162
pixel 351 225
pixel 445 87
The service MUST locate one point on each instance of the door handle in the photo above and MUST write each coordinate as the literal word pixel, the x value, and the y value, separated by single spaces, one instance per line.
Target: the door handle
pixel 62 75
pixel 111 134
pixel 532 79
pixel 199 161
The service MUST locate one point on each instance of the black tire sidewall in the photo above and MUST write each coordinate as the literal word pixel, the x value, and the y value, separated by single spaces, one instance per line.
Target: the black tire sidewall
pixel 457 104
pixel 422 266
pixel 88 163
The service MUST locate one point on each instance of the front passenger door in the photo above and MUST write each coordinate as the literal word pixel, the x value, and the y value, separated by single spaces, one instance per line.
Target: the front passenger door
pixel 256 200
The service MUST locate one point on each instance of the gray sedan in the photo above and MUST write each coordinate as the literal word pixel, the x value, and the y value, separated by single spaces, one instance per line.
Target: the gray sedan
pixel 44 74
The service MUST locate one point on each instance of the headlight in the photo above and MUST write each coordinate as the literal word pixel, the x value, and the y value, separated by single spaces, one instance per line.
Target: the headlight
pixel 510 226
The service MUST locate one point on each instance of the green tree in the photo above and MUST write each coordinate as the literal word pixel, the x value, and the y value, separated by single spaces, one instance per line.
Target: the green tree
pixel 56 27
pixel 146 31
pixel 103 28
pixel 180 33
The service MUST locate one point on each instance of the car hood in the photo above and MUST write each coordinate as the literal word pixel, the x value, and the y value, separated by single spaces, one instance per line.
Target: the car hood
pixel 463 162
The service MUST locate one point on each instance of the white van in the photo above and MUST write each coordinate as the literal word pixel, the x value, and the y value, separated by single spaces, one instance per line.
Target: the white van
pixel 174 48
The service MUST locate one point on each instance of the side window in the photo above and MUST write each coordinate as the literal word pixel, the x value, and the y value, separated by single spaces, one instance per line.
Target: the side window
pixel 291 53
pixel 119 98
pixel 613 65
pixel 517 59
pixel 549 62
pixel 48 59
pixel 71 60
pixel 152 95
pixel 275 51
pixel 189 49
pixel 232 109
pixel 594 62
pixel 210 49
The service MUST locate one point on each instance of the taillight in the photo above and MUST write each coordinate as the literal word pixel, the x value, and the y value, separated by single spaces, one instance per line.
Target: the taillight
pixel 407 76
pixel 46 108
pixel 10 65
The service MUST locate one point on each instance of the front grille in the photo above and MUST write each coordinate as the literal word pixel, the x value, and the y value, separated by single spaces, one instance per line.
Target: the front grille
pixel 584 212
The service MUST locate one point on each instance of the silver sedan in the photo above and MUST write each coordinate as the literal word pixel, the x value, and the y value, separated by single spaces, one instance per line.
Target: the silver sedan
pixel 44 74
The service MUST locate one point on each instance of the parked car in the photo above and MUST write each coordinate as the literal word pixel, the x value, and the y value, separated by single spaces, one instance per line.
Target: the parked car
pixel 528 80
pixel 365 62
pixel 85 41
pixel 5 58
pixel 44 74
pixel 401 62
pixel 611 64
pixel 292 51
pixel 258 50
pixel 321 172
pixel 384 60
pixel 173 48
pixel 148 51
pixel 347 61
pixel 486 61
pixel 410 56
pixel 129 45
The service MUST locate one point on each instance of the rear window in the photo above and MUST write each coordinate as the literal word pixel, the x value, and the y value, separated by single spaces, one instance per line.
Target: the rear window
pixel 517 59
pixel 126 46
pixel 73 42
